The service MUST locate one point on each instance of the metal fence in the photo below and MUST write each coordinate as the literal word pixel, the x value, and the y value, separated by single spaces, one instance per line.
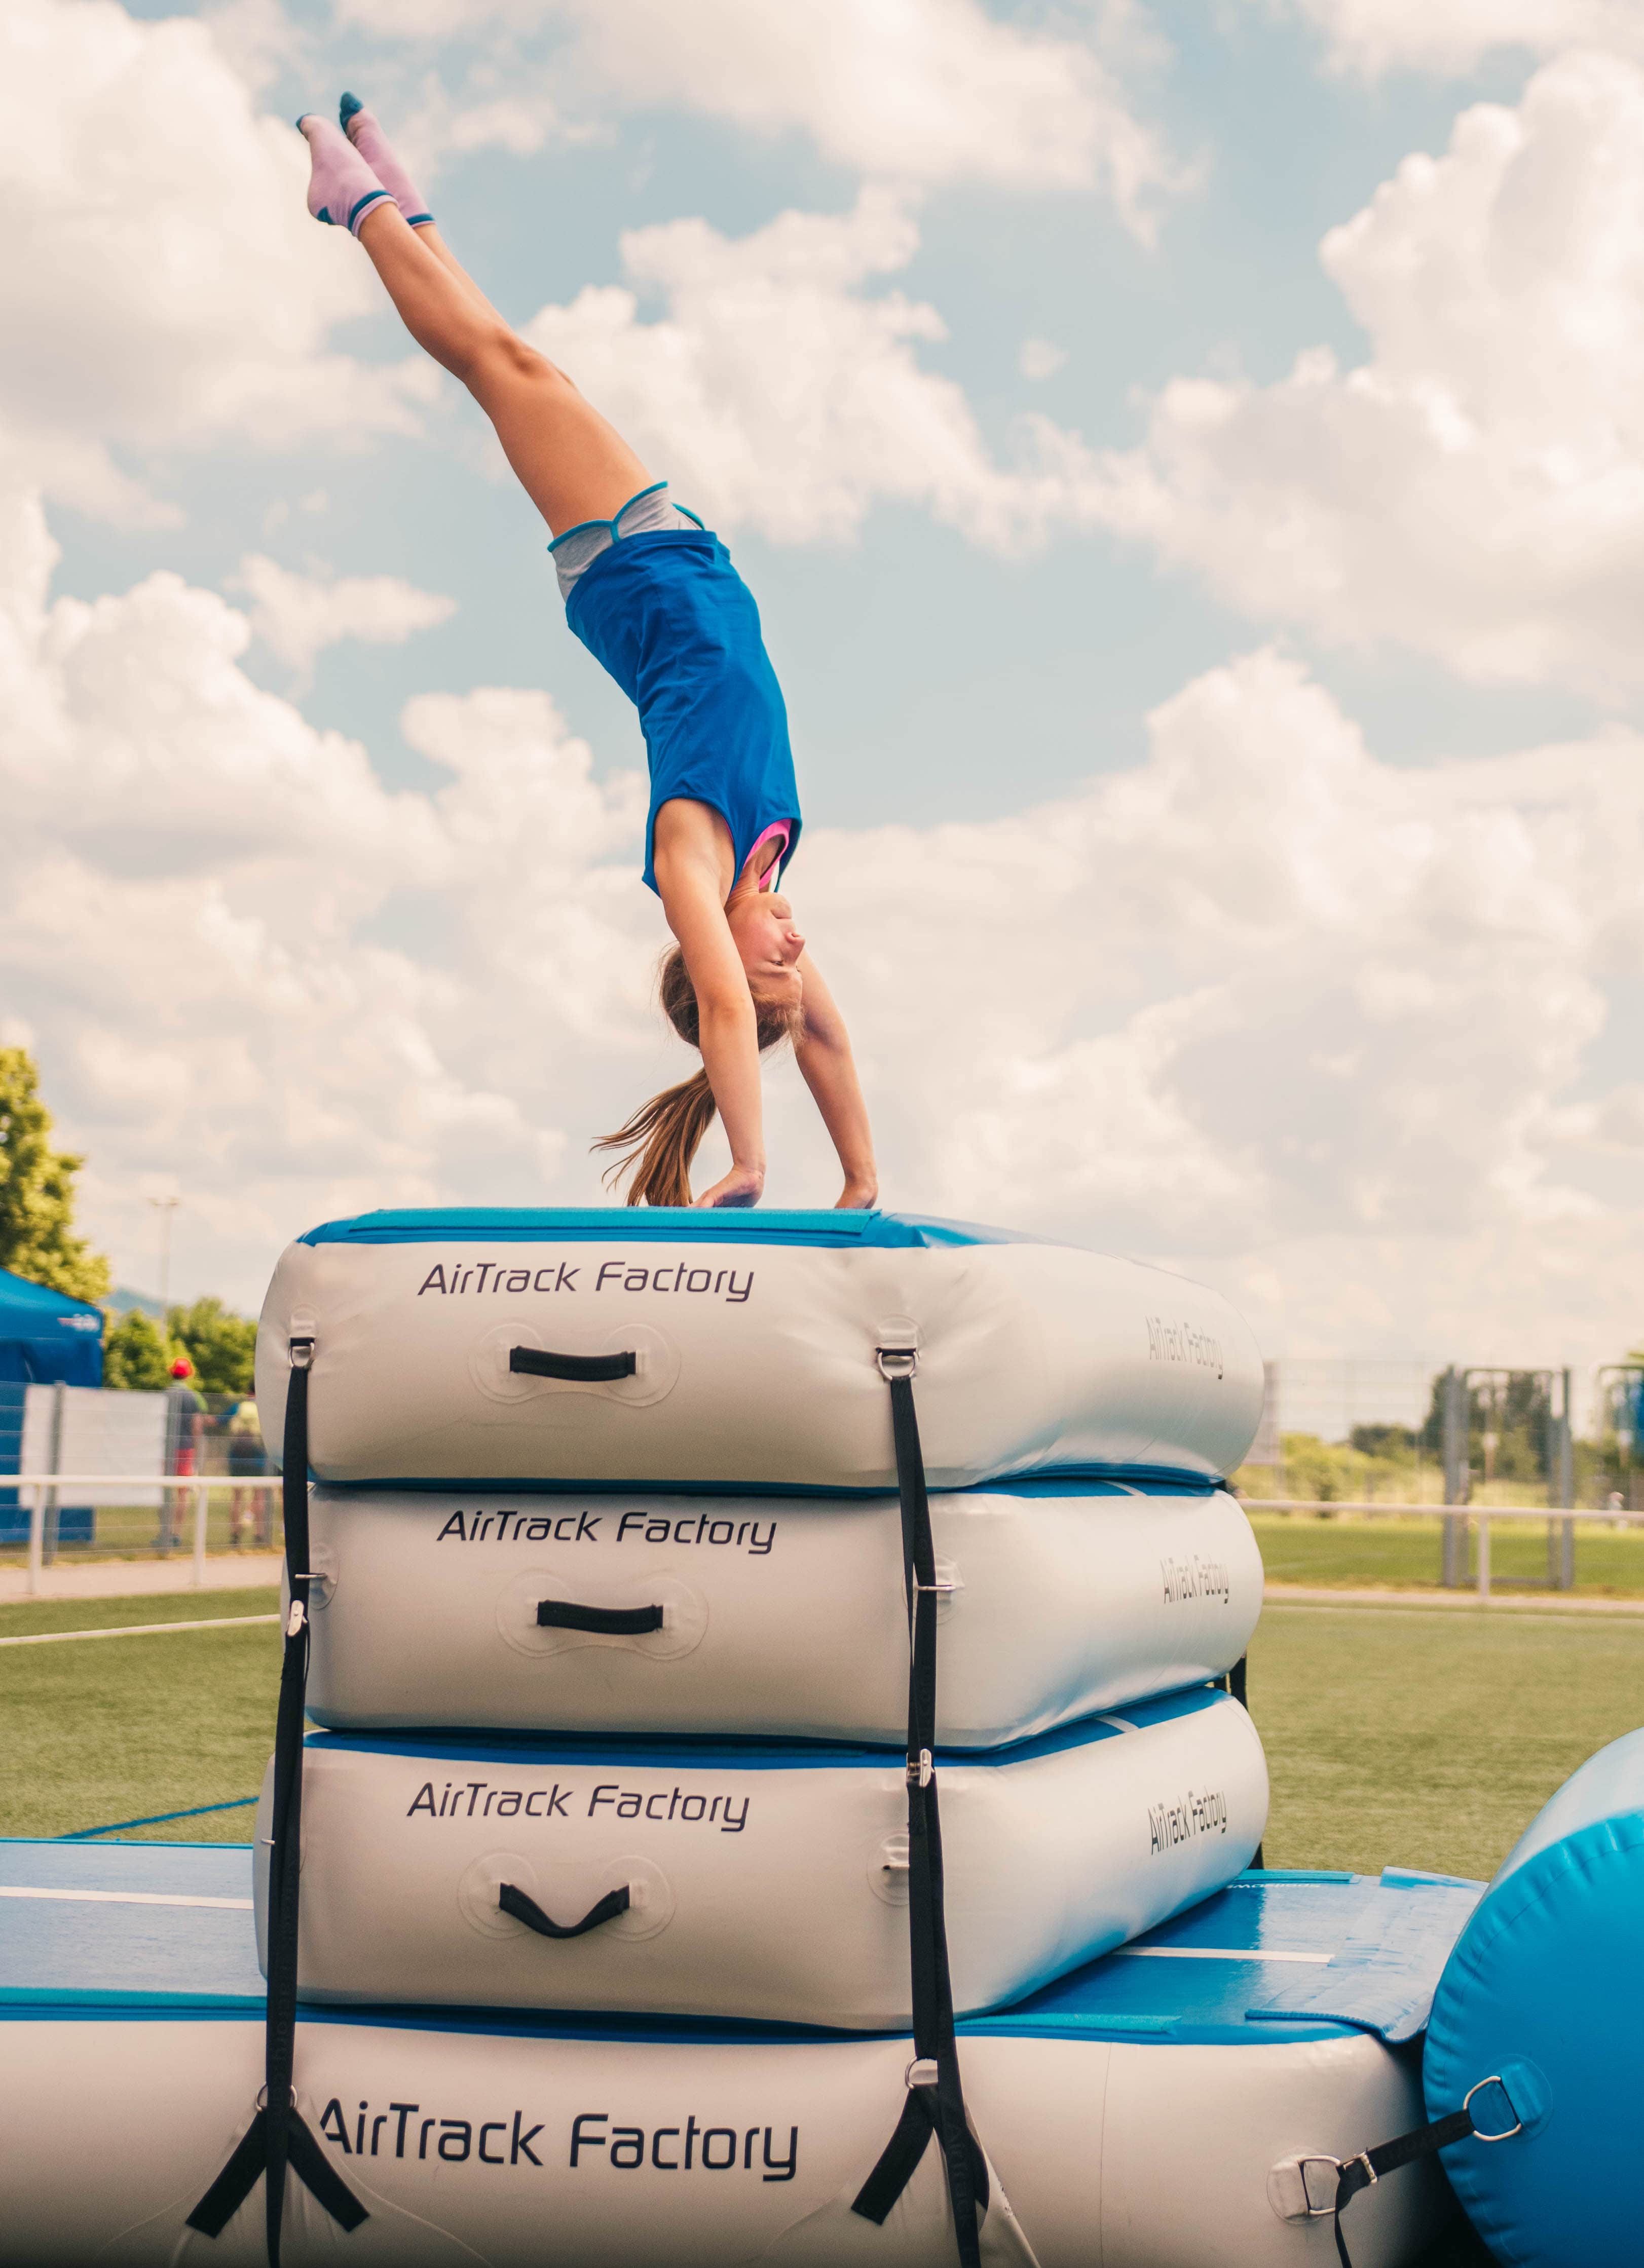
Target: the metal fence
pixel 87 1472
pixel 1350 1439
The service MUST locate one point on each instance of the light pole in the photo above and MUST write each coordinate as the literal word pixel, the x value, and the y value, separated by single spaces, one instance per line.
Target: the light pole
pixel 165 1207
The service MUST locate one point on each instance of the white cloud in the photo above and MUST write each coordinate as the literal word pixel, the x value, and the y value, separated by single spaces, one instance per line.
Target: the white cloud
pixel 1266 1005
pixel 1475 489
pixel 222 918
pixel 297 615
pixel 780 391
pixel 1041 358
pixel 918 91
pixel 1374 36
pixel 165 285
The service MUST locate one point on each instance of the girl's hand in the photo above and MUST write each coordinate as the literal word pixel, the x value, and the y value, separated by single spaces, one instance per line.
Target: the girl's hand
pixel 861 1195
pixel 743 1185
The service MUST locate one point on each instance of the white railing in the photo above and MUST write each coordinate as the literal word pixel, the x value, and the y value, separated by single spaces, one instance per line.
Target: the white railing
pixel 1479 1514
pixel 202 1483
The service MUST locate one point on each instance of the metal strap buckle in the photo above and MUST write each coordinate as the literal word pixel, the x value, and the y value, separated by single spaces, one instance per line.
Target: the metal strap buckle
pixel 922 2072
pixel 1318 2158
pixel 1506 2135
pixel 302 1354
pixel 923 1772
pixel 294 1619
pixel 896 1362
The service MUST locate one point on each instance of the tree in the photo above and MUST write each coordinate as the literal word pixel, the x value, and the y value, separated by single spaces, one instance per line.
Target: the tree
pixel 37 1237
pixel 1395 1443
pixel 1509 1421
pixel 221 1345
pixel 135 1355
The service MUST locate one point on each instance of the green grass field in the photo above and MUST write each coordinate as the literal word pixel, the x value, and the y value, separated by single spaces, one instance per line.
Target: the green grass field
pixel 1354 1551
pixel 106 1729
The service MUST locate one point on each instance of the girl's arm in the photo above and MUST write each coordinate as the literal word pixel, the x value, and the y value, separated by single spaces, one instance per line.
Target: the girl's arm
pixel 688 878
pixel 829 1068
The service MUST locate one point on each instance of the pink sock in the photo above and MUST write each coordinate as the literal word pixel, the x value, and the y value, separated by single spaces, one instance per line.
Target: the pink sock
pixel 342 189
pixel 373 143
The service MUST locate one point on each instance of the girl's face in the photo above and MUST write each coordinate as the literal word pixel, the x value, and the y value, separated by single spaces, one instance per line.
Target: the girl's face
pixel 762 926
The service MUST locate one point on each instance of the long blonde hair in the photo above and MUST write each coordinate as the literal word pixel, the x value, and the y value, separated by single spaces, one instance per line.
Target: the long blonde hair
pixel 660 1141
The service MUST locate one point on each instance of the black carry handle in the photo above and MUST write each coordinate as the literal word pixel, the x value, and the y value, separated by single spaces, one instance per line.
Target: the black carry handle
pixel 514 1902
pixel 586 1369
pixel 605 1622
pixel 278 2138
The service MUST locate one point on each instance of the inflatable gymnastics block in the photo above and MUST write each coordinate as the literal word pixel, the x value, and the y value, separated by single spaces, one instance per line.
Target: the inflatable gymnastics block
pixel 662 1347
pixel 1135 2115
pixel 769 1615
pixel 1543 1998
pixel 748 1878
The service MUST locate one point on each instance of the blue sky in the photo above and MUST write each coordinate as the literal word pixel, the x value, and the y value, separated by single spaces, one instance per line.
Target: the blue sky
pixel 926 677
pixel 1220 769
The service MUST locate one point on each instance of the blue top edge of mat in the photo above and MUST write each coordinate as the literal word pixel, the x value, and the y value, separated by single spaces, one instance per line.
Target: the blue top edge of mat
pixel 661 1224
pixel 1050 1481
pixel 706 1751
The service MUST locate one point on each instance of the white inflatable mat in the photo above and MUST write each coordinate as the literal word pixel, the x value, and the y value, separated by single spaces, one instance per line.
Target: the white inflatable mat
pixel 769 1615
pixel 663 1347
pixel 1134 2116
pixel 745 1879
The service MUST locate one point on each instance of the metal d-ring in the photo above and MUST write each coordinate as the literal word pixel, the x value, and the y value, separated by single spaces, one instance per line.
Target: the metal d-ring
pixel 1495 2080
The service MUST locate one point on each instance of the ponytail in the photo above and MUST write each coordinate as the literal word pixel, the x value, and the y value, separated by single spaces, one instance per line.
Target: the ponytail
pixel 658 1144
pixel 660 1141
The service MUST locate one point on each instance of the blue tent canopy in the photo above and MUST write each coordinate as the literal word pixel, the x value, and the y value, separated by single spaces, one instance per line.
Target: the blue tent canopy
pixel 46 1337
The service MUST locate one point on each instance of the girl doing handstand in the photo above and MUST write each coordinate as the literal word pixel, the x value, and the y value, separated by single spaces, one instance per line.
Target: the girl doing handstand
pixel 654 596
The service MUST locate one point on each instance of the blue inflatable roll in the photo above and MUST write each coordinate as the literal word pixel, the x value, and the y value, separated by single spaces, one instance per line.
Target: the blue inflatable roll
pixel 1539 2017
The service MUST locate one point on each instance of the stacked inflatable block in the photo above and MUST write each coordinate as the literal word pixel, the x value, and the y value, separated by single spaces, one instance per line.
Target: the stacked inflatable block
pixel 605 1627
pixel 610 1625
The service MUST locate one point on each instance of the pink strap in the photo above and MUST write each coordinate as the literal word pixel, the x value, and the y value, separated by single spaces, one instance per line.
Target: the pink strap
pixel 777 827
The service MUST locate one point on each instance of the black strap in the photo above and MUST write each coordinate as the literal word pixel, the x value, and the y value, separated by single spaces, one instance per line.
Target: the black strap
pixel 588 1368
pixel 936 2108
pixel 900 2159
pixel 1356 2174
pixel 608 1621
pixel 514 1901
pixel 277 2136
pixel 239 2177
pixel 1238 1684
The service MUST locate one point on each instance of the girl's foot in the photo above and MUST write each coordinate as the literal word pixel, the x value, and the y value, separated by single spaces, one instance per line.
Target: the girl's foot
pixel 373 147
pixel 342 189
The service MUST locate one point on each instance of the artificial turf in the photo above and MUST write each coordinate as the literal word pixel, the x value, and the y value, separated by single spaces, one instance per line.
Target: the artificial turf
pixel 1406 1736
pixel 111 1729
pixel 1384 1550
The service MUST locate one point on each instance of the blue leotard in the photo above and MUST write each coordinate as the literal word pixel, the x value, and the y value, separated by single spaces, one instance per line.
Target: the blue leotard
pixel 666 613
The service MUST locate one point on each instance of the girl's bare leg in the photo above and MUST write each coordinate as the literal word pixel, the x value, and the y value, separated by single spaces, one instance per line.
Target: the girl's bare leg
pixel 571 463
pixel 429 235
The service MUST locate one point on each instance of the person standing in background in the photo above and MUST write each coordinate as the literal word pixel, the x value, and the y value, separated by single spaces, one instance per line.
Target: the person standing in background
pixel 249 1509
pixel 185 1414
